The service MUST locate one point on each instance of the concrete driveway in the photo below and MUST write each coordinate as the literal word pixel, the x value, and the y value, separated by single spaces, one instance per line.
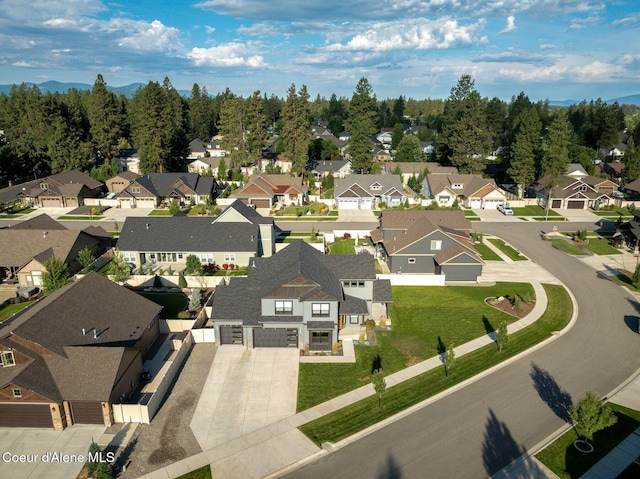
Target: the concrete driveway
pixel 356 216
pixel 34 443
pixel 246 389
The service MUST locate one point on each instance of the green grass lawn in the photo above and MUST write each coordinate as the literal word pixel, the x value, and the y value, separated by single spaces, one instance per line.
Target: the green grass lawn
pixel 506 249
pixel 565 460
pixel 8 310
pixel 487 253
pixel 159 213
pixel 172 303
pixel 356 417
pixel 343 246
pixel 202 473
pixel 470 214
pixel 568 247
pixel 533 210
pixel 80 217
pixel 613 212
pixel 601 246
pixel 419 315
pixel 624 280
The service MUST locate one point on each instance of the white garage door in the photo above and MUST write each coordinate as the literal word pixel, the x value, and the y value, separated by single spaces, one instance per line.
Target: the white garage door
pixel 348 203
pixel 146 203
pixel 492 204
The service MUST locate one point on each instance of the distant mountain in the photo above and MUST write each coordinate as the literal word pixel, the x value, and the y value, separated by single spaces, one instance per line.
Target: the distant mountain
pixel 623 100
pixel 58 87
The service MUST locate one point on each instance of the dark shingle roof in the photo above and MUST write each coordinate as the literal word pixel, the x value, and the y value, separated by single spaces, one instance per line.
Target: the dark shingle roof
pixel 249 213
pixel 184 233
pixel 41 222
pixel 382 291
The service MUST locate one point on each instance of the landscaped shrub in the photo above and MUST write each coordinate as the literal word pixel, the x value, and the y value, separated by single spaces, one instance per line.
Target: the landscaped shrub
pixel 182 283
pixel 157 282
pixel 184 315
pixel 347 236
pixel 370 324
pixel 225 266
pixel 195 300
pixel 209 268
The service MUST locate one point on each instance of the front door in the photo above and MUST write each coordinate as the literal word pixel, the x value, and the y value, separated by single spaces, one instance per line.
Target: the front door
pixel 320 340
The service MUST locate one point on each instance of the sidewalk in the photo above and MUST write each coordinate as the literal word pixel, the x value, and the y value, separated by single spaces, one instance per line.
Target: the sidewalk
pixel 271 450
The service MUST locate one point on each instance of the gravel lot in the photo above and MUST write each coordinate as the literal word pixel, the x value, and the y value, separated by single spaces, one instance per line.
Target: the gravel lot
pixel 169 438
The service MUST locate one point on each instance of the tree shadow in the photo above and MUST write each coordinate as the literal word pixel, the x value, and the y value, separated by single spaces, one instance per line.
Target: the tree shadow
pixel 558 400
pixel 442 349
pixel 488 327
pixel 391 470
pixel 500 449
pixel 633 323
pixel 376 363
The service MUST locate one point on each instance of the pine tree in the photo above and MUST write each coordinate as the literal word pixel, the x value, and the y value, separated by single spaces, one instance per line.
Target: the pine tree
pixel 201 114
pixel 361 123
pixel 525 149
pixel 631 169
pixel 556 147
pixel 409 149
pixel 106 121
pixel 397 136
pixel 296 132
pixel 232 127
pixel 256 122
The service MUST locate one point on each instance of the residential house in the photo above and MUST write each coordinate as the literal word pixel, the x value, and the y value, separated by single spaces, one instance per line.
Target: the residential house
pixel 264 191
pixel 273 161
pixel 385 136
pixel 612 170
pixel 200 149
pixel 427 147
pixel 365 191
pixel 209 163
pixel 120 181
pixel 237 235
pixel 68 358
pixel 434 242
pixel 299 297
pixel 63 190
pixel 129 160
pixel 632 189
pixel 335 168
pixel 470 191
pixel 153 189
pixel 27 246
pixel 381 155
pixel 571 193
pixel 407 169
pixel 576 170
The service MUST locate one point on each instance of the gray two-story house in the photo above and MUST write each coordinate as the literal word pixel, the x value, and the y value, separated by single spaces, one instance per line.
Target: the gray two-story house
pixel 427 242
pixel 298 297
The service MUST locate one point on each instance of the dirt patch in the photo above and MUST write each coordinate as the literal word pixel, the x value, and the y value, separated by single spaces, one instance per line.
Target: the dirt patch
pixel 506 306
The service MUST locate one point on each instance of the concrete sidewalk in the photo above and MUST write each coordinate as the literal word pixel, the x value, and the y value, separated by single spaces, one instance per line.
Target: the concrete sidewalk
pixel 272 450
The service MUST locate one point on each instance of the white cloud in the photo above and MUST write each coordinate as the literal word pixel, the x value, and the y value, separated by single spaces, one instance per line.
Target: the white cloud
pixel 628 21
pixel 569 69
pixel 144 36
pixel 210 29
pixel 232 54
pixel 511 24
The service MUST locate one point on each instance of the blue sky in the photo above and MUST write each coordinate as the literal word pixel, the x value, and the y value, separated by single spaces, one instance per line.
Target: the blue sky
pixel 556 49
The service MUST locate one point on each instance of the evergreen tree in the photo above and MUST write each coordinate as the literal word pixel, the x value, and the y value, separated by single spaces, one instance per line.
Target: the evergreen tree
pixel 398 108
pixel 397 136
pixel 106 120
pixel 631 169
pixel 256 122
pixel 409 149
pixel 525 149
pixel 556 147
pixel 361 123
pixel 201 114
pixel 296 132
pixel 231 126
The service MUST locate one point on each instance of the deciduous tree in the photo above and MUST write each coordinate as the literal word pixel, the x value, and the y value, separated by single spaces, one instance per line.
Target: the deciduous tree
pixel 591 415
pixel 55 276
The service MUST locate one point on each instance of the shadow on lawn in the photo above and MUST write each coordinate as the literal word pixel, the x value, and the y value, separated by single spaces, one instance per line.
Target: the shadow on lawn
pixel 499 449
pixel 558 400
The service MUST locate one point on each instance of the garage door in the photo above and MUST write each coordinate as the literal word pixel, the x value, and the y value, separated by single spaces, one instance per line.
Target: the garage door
pixel 231 335
pixel 556 203
pixel 348 204
pixel 575 205
pixel 261 203
pixel 86 412
pixel 492 204
pixel 51 203
pixel 25 415
pixel 72 202
pixel 275 338
pixel 146 203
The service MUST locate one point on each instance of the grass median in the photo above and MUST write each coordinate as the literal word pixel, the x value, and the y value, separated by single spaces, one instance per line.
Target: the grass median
pixel 362 414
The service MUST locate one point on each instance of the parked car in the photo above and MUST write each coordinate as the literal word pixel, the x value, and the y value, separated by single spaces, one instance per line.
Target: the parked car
pixel 505 209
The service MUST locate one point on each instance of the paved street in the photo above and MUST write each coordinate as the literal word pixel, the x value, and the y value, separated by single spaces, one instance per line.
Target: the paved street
pixel 478 430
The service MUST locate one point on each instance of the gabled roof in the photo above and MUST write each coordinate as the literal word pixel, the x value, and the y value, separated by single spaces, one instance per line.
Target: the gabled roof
pixel 472 185
pixel 454 252
pixel 364 182
pixel 270 185
pixel 40 223
pixel 126 175
pixel 567 187
pixel 327 166
pixel 403 219
pixel 186 234
pixel 163 184
pixel 248 213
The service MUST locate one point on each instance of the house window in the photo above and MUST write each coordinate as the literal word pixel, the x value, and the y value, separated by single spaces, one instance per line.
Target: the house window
pixel 436 245
pixel 284 307
pixel 320 337
pixel 135 189
pixel 457 186
pixel 360 284
pixel 7 359
pixel 129 257
pixel 180 256
pixel 354 319
pixel 229 256
pixel 376 186
pixel 44 186
pixel 17 393
pixel 412 261
pixel 320 309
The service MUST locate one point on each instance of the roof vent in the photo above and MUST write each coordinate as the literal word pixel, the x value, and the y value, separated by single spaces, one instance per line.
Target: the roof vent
pixel 253 263
pixel 147 225
pixel 252 238
pixel 95 333
pixel 44 234
pixel 84 332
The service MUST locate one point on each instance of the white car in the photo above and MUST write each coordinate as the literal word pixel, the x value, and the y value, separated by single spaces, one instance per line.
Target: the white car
pixel 505 210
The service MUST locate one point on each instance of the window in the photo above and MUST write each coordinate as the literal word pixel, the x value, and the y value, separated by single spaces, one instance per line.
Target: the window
pixel 17 393
pixel 229 256
pixel 412 261
pixel 44 186
pixel 320 309
pixel 354 319
pixel 180 256
pixel 457 186
pixel 135 189
pixel 7 359
pixel 376 186
pixel 129 256
pixel 436 245
pixel 360 284
pixel 284 307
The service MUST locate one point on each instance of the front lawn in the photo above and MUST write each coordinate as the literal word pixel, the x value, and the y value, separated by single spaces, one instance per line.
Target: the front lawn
pixel 422 318
pixel 600 246
pixel 202 473
pixel 356 417
pixel 487 253
pixel 533 210
pixel 343 246
pixel 172 303
pixel 8 310
pixel 568 247
pixel 80 217
pixel 624 280
pixel 568 463
pixel 506 249
pixel 160 213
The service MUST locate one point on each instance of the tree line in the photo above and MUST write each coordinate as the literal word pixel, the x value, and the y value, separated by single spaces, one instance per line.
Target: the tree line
pixel 86 130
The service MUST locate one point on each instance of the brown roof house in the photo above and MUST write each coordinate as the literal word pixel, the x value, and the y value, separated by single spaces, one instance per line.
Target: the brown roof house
pixel 120 181
pixel 28 245
pixel 263 191
pixel 72 355
pixel 471 191
pixel 153 189
pixel 66 189
pixel 432 242
pixel 574 193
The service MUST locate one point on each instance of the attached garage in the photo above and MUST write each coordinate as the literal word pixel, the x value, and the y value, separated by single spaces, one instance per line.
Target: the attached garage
pixel 556 204
pixel 86 412
pixel 275 338
pixel 492 204
pixel 260 203
pixel 231 335
pixel 348 203
pixel 51 202
pixel 575 204
pixel 25 415
pixel 145 203
pixel 71 202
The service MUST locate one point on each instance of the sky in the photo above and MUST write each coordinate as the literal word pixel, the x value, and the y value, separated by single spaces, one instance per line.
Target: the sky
pixel 550 49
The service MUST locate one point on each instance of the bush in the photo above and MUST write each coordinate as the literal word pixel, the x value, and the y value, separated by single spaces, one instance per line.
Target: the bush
pixel 182 283
pixel 184 315
pixel 370 324
pixel 347 236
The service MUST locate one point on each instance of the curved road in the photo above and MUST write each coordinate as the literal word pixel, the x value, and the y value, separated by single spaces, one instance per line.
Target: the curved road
pixel 481 428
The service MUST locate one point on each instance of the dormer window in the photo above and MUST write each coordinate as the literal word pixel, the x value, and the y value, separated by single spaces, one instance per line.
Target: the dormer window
pixel 376 187
pixel 17 393
pixel 135 189
pixel 44 186
pixel 457 186
pixel 7 359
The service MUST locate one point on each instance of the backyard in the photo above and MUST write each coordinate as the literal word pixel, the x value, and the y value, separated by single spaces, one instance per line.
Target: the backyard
pixel 423 319
pixel 172 303
pixel 7 310
pixel 343 246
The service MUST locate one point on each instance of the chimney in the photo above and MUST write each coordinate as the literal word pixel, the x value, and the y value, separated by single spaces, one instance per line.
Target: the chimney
pixel 44 234
pixel 84 332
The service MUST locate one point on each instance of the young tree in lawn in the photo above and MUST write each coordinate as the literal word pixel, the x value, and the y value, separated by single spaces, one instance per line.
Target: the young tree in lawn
pixel 85 257
pixel 361 123
pixel 591 415
pixel 379 385
pixel 502 336
pixel 55 276
pixel 174 207
pixel 193 265
pixel 449 360
pixel 119 268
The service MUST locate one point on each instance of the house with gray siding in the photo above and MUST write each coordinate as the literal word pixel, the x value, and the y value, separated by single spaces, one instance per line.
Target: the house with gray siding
pixel 427 242
pixel 298 297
